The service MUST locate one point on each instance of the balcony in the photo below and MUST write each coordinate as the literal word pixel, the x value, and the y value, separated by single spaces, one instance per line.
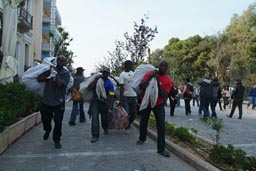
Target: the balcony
pixel 25 20
pixel 45 47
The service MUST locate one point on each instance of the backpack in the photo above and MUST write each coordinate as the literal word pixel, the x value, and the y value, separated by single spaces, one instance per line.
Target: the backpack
pixel 188 92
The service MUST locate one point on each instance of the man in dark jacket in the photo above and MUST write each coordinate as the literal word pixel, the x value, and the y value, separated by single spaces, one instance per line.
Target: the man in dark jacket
pixel 205 96
pixel 216 94
pixel 237 99
pixel 53 102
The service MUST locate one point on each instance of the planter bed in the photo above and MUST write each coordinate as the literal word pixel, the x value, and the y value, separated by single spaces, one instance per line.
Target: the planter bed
pixel 16 130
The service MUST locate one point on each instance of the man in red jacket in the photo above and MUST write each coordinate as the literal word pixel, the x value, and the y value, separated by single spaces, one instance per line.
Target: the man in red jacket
pixel 164 83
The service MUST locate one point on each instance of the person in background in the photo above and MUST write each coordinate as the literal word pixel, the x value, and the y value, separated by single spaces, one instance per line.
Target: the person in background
pixel 164 83
pixel 53 102
pixel 101 103
pixel 128 97
pixel 180 96
pixel 205 96
pixel 196 95
pixel 252 96
pixel 226 96
pixel 78 78
pixel 188 95
pixel 173 96
pixel 237 96
pixel 216 90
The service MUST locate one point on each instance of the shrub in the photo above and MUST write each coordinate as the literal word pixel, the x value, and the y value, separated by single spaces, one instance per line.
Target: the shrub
pixel 235 157
pixel 183 134
pixel 170 128
pixel 16 102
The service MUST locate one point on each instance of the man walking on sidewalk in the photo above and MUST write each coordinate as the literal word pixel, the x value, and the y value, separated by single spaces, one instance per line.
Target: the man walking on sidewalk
pixel 237 96
pixel 53 102
pixel 164 84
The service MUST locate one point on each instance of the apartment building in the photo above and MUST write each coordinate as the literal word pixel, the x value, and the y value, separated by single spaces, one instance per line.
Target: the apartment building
pixel 36 18
pixel 51 19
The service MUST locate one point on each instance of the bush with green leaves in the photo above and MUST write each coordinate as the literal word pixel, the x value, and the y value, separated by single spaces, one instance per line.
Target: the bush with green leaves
pixel 183 134
pixel 216 125
pixel 170 128
pixel 234 157
pixel 16 102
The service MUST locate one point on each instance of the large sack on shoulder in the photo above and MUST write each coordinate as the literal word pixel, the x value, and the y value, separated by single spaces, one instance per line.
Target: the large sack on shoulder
pixel 87 94
pixel 29 78
pixel 139 72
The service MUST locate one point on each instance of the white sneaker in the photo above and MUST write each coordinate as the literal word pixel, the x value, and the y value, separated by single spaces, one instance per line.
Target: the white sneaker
pixel 127 131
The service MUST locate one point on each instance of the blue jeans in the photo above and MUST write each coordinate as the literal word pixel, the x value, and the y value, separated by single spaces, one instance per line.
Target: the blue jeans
pixel 213 103
pixel 130 105
pixel 252 100
pixel 159 113
pixel 205 105
pixel 74 111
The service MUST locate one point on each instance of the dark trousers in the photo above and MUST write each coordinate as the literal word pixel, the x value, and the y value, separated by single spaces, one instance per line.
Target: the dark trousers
pixel 56 113
pixel 98 108
pixel 205 105
pixel 187 105
pixel 172 106
pixel 213 104
pixel 237 103
pixel 159 113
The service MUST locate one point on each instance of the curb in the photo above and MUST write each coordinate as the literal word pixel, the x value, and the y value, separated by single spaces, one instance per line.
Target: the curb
pixel 191 159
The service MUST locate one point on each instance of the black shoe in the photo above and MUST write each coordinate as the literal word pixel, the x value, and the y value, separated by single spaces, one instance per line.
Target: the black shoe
pixel 82 120
pixel 72 123
pixel 46 135
pixel 105 131
pixel 229 116
pixel 139 142
pixel 164 153
pixel 57 145
pixel 94 139
pixel 239 117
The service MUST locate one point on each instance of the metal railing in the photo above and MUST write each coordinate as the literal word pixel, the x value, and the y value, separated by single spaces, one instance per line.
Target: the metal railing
pixel 25 18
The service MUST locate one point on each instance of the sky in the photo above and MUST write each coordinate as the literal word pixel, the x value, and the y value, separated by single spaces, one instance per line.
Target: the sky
pixel 95 25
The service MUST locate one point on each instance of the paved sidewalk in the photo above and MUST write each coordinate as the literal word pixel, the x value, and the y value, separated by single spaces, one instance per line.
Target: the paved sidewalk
pixel 114 152
pixel 240 133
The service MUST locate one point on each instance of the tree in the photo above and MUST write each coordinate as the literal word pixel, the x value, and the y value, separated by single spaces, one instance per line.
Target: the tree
pixel 115 59
pixel 60 45
pixel 138 45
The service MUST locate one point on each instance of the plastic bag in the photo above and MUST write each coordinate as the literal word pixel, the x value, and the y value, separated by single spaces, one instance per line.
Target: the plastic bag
pixel 120 118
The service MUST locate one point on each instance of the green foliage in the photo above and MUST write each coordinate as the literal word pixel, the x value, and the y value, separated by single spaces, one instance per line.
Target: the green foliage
pixel 170 128
pixel 183 134
pixel 61 42
pixel 216 125
pixel 16 102
pixel 227 55
pixel 135 47
pixel 234 157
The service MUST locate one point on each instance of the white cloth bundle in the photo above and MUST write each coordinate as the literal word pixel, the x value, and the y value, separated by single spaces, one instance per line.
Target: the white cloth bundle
pixel 100 90
pixel 139 72
pixel 151 94
pixel 86 93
